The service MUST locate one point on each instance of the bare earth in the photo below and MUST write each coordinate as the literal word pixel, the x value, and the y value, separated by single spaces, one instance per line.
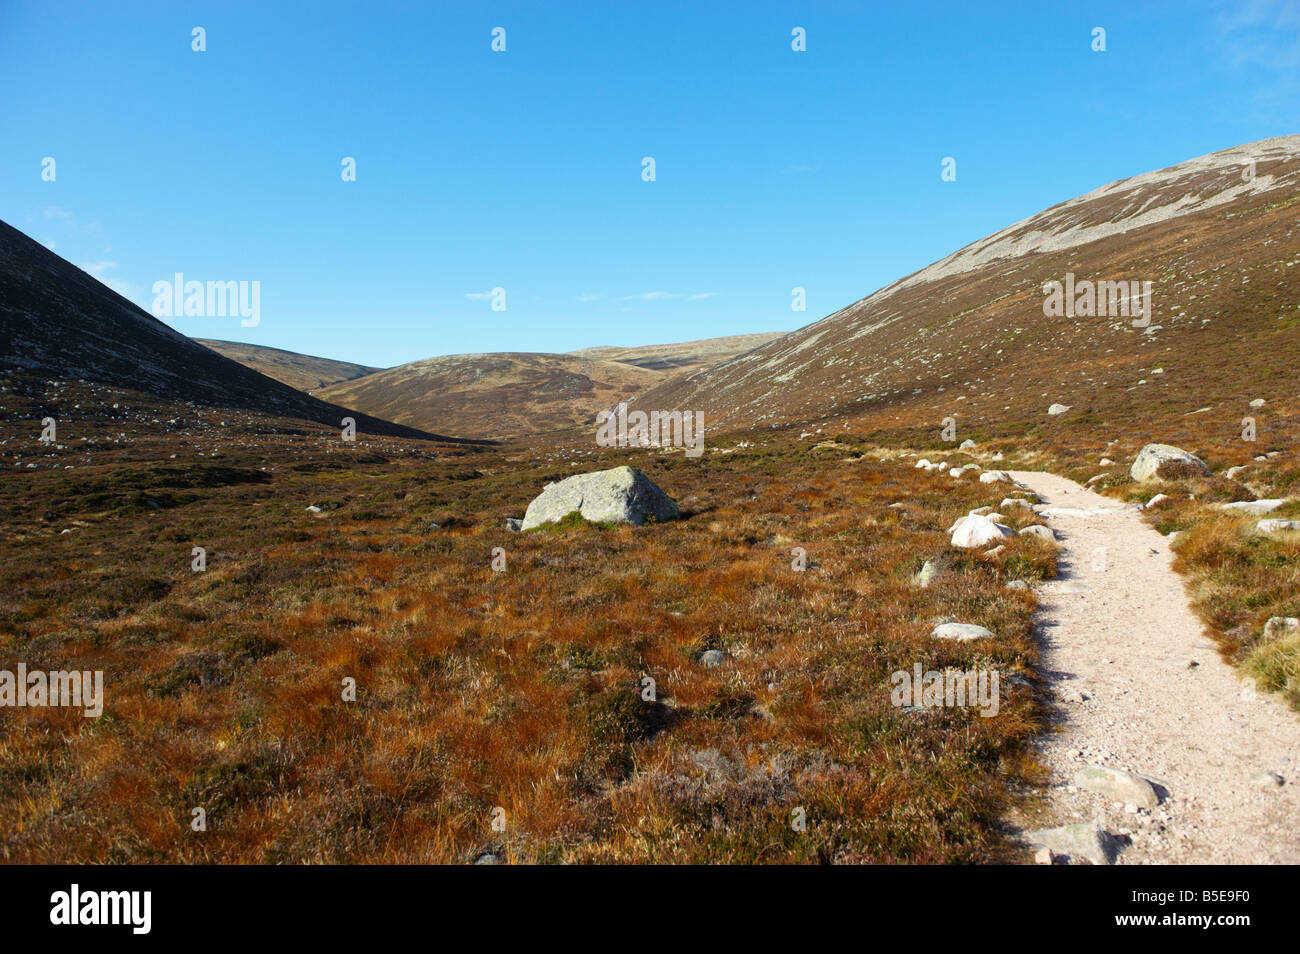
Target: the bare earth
pixel 1117 627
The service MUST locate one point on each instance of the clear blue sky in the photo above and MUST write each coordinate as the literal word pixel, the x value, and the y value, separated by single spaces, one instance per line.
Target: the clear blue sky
pixel 522 169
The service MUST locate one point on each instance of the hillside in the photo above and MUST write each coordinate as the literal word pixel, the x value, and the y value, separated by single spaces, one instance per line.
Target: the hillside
pixel 967 336
pixel 495 396
pixel 57 321
pixel 684 356
pixel 301 371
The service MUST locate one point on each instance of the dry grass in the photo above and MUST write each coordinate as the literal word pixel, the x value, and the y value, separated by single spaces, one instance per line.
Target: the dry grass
pixel 479 689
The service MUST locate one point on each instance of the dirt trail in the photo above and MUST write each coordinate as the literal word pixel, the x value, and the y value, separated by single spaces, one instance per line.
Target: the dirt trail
pixel 1116 626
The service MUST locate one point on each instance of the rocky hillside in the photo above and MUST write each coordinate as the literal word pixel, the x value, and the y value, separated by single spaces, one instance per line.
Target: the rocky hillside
pixel 56 321
pixel 967 337
pixel 302 371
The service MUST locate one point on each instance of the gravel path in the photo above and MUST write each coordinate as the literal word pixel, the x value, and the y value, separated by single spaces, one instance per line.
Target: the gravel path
pixel 1116 627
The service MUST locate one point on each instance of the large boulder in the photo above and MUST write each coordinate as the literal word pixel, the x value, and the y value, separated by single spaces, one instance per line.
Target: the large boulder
pixel 618 495
pixel 1166 462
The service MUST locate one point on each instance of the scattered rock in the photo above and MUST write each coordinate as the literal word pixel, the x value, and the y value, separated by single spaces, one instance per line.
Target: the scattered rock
pixel 1156 501
pixel 1232 472
pixel 1280 626
pixel 966 444
pixel 1166 462
pixel 926 574
pixel 960 632
pixel 712 657
pixel 514 524
pixel 1258 402
pixel 1118 785
pixel 1043 856
pixel 1058 409
pixel 1256 508
pixel 1017 585
pixel 1088 842
pixel 994 477
pixel 618 495
pixel 977 530
pixel 1276 525
pixel 1266 780
pixel 1015 502
pixel 1038 530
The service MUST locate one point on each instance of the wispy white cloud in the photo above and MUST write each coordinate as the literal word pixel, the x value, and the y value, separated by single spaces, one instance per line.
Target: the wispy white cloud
pixel 478 296
pixel 668 296
pixel 651 296
pixel 588 296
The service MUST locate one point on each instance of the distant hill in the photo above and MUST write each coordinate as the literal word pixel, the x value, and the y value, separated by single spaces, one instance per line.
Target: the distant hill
pixel 302 371
pixel 685 356
pixel 58 321
pixel 495 396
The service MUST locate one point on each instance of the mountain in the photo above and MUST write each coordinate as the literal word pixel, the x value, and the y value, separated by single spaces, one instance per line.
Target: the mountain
pixel 495 396
pixel 685 356
pixel 58 321
pixel 301 371
pixel 1217 237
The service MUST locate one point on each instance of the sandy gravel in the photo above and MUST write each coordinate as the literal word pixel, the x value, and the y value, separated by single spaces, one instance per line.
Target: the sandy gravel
pixel 1116 626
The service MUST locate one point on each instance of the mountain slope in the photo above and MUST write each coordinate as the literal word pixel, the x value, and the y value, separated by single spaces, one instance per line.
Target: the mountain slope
pixel 495 396
pixel 967 336
pixel 684 356
pixel 304 372
pixel 58 321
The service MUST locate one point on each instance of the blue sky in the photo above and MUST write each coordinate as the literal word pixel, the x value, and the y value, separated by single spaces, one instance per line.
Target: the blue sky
pixel 522 169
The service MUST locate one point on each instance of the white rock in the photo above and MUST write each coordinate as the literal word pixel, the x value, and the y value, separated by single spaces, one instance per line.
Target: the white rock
pixel 1278 627
pixel 960 632
pixel 1256 508
pixel 1118 785
pixel 1153 457
pixel 1258 402
pixel 977 530
pixel 1058 409
pixel 1038 530
pixel 995 476
pixel 1276 525
pixel 1156 500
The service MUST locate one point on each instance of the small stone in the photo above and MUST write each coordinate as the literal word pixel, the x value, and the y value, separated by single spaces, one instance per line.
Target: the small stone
pixel 1043 856
pixel 926 574
pixel 960 632
pixel 1276 525
pixel 1058 409
pixel 514 524
pixel 1278 627
pixel 1117 784
pixel 712 657
pixel 1267 780
pixel 1089 842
